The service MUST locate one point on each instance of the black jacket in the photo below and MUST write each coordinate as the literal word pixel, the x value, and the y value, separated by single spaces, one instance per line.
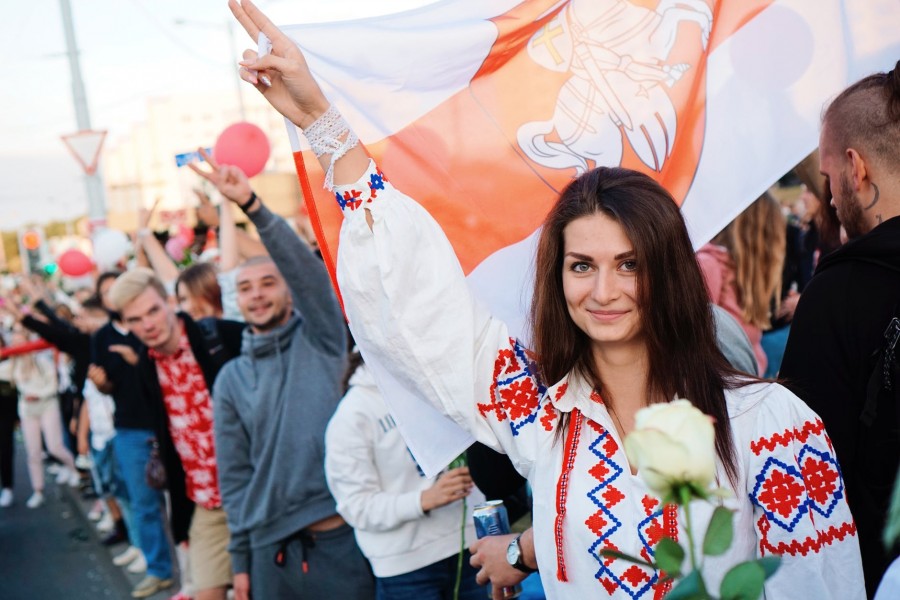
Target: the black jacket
pixel 838 326
pixel 211 360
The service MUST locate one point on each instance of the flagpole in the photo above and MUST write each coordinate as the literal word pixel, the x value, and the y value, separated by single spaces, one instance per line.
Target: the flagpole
pixel 93 182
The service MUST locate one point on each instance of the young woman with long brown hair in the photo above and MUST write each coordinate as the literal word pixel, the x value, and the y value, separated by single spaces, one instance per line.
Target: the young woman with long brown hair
pixel 743 266
pixel 621 321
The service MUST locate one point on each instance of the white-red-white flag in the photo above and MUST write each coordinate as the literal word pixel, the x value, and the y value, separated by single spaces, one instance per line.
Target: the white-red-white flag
pixel 484 110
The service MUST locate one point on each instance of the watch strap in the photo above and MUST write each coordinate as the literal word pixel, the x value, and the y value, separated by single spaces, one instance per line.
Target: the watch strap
pixel 519 564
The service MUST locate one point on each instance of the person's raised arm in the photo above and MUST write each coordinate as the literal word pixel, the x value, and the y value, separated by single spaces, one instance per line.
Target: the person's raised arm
pixel 222 218
pixel 302 270
pixel 52 318
pixel 234 244
pixel 284 79
pixel 160 261
pixel 405 293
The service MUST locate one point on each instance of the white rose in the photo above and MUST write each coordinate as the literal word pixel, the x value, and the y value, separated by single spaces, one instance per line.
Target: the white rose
pixel 672 444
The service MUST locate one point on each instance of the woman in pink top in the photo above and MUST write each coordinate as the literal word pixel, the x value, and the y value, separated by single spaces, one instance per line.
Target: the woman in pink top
pixel 742 267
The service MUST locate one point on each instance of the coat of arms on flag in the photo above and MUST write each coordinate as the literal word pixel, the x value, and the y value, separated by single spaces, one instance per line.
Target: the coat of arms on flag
pixel 483 111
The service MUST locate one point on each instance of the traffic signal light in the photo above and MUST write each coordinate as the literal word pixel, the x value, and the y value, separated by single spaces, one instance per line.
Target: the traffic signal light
pixel 31 240
pixel 31 249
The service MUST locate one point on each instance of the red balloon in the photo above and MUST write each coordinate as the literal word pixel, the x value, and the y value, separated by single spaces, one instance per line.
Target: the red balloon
pixel 74 263
pixel 243 145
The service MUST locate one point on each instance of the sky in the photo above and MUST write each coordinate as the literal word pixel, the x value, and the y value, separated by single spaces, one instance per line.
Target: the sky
pixel 130 51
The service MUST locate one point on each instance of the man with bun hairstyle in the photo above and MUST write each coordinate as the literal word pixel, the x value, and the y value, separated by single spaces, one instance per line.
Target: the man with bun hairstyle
pixel 842 317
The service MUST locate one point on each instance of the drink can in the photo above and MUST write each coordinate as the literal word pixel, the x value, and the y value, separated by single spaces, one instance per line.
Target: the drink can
pixel 491 518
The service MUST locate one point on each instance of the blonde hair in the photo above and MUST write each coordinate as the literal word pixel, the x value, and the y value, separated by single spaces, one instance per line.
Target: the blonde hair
pixel 132 284
pixel 756 242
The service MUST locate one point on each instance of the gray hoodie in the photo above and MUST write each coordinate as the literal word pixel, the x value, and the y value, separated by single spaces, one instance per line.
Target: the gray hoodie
pixel 273 402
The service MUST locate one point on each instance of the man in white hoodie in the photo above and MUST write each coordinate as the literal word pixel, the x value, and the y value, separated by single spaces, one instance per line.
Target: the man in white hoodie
pixel 410 527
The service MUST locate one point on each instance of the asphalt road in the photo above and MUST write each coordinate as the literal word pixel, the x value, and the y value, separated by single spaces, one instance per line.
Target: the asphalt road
pixel 54 552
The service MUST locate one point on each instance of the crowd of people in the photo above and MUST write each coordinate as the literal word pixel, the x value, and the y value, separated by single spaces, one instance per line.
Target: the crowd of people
pixel 236 435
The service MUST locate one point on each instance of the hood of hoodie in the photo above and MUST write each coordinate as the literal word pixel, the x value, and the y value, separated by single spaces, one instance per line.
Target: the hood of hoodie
pixel 720 253
pixel 276 341
pixel 879 246
pixel 362 377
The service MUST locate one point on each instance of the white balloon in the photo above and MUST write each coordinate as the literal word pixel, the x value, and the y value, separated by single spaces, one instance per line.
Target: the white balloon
pixel 110 246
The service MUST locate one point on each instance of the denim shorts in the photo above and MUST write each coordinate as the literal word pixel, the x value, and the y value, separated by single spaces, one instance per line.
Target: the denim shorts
pixel 107 481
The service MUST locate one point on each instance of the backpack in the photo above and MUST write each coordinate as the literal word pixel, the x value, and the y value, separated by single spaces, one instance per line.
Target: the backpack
pixel 878 440
pixel 212 337
pixel 883 377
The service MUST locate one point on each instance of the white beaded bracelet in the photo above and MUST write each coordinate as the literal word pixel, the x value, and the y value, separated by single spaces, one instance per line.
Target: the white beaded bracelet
pixel 324 136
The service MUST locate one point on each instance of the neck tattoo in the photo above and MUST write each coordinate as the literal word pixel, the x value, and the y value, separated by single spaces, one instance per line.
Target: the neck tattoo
pixel 875 199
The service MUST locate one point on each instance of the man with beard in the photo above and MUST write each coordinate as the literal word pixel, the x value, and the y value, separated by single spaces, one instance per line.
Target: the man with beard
pixel 843 313
pixel 272 405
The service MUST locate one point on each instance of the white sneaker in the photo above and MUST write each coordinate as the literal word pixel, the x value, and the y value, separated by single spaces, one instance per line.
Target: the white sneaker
pixel 36 500
pixel 106 524
pixel 139 565
pixel 53 468
pixel 129 556
pixel 74 479
pixel 83 462
pixel 62 475
pixel 6 497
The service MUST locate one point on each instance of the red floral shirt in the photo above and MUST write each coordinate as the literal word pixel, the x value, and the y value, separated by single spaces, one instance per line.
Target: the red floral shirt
pixel 189 407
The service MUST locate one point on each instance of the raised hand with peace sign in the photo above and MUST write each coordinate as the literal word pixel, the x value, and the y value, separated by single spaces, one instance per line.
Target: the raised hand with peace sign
pixel 229 180
pixel 284 79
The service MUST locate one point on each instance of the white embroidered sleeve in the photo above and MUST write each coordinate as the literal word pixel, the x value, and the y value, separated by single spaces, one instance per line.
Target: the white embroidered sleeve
pixel 800 508
pixel 411 311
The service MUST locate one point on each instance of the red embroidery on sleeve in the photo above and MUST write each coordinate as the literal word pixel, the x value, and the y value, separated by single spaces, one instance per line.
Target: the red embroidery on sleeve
pixel 789 435
pixel 804 546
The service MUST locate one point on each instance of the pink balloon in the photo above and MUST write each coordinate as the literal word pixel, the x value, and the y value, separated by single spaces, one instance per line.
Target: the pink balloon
pixel 74 263
pixel 243 145
pixel 175 248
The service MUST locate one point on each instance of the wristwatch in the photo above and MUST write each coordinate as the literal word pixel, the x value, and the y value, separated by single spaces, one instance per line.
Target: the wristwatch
pixel 514 557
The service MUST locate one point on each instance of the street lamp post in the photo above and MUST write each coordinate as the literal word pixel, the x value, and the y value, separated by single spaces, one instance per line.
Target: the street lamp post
pixel 93 181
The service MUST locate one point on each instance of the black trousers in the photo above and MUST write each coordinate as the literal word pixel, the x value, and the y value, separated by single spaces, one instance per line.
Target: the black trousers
pixel 8 418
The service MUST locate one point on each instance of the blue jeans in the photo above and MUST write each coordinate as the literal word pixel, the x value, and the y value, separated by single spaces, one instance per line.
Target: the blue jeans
pixel 108 482
pixel 532 588
pixel 132 452
pixel 434 582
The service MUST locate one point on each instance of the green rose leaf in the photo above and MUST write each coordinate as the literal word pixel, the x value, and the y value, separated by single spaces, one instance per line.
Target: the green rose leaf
pixel 689 588
pixel 743 582
pixel 669 556
pixel 720 532
pixel 769 564
pixel 607 553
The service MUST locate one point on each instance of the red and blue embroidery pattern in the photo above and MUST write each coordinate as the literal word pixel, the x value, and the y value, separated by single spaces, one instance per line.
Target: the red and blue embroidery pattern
pixel 516 390
pixel 353 199
pixel 789 491
pixel 618 574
